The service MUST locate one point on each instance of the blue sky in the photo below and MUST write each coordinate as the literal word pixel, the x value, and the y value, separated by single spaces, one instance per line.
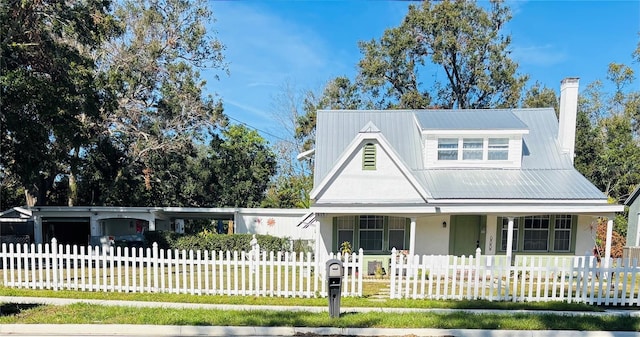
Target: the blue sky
pixel 307 43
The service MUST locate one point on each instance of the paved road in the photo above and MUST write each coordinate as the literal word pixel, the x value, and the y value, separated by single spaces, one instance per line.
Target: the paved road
pixel 95 330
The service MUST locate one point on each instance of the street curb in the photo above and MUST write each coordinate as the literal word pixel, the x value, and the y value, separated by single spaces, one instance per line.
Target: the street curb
pixel 220 331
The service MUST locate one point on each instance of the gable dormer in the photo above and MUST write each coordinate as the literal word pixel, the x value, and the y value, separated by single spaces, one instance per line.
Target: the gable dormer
pixel 471 138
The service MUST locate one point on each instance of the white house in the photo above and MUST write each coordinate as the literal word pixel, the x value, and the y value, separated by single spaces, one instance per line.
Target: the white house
pixel 448 181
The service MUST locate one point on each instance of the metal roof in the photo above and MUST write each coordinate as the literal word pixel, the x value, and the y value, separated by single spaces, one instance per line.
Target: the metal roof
pixel 335 129
pixel 472 119
pixel 546 172
pixel 541 149
pixel 508 184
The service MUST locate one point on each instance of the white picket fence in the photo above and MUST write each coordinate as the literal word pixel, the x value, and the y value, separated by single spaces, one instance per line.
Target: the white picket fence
pixel 152 270
pixel 532 279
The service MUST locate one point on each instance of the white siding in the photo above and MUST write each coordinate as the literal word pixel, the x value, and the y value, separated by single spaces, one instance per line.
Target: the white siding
pixel 274 223
pixel 386 183
pixel 431 237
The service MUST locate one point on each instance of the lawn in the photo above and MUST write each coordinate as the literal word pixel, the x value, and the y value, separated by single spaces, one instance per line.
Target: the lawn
pixel 12 313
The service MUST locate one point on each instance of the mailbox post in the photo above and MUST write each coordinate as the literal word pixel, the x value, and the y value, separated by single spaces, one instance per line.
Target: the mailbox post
pixel 335 272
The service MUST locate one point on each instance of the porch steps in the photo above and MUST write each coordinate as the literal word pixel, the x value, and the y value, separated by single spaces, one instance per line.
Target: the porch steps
pixel 382 295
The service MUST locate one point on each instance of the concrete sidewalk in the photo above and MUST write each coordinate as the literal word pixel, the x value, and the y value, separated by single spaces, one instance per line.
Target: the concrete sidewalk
pixel 161 331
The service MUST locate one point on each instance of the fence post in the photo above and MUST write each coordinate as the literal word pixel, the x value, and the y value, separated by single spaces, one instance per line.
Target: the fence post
pixel 360 270
pixel 392 273
pixel 476 277
pixel 54 262
pixel 4 264
pixel 155 259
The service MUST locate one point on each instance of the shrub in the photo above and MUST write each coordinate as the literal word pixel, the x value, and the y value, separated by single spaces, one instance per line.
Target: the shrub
pixel 165 239
pixel 617 241
pixel 222 242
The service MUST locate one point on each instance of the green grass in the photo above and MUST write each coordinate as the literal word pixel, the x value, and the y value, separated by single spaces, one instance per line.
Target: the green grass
pixel 92 314
pixel 11 313
pixel 366 301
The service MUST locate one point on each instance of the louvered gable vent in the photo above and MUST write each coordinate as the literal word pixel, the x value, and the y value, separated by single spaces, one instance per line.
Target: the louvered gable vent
pixel 369 157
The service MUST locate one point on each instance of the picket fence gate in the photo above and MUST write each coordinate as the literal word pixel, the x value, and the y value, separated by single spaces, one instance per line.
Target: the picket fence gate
pixel 533 279
pixel 153 270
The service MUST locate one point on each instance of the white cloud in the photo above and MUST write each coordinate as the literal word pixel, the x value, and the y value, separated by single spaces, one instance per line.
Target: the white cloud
pixel 544 55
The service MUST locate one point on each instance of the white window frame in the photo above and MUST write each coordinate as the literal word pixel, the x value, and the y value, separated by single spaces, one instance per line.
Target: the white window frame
pixel 462 147
pixel 498 147
pixel 470 149
pixel 445 150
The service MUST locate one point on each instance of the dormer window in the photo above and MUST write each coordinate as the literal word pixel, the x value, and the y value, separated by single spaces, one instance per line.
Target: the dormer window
pixel 472 151
pixel 369 157
pixel 498 149
pixel 472 148
pixel 447 148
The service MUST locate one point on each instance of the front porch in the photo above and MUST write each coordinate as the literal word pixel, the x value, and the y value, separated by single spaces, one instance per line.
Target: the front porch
pixel 510 234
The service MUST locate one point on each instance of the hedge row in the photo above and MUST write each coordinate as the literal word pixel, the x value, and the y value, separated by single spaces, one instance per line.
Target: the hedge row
pixel 215 242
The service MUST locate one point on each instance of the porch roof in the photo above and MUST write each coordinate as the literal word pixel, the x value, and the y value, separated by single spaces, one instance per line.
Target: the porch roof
pixel 508 184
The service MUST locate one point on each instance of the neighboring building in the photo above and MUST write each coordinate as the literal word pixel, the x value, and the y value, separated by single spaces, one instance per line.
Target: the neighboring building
pixel 449 181
pixel 16 226
pixel 84 225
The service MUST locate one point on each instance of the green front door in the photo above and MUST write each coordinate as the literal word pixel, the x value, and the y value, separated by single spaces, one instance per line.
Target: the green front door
pixel 466 233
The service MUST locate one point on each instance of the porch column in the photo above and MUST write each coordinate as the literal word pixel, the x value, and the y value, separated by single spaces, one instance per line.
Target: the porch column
pixel 37 229
pixel 509 239
pixel 607 247
pixel 412 237
pixel 152 223
pixel 94 228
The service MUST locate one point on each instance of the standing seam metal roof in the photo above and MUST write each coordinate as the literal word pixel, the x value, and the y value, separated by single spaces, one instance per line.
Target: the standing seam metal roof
pixel 546 172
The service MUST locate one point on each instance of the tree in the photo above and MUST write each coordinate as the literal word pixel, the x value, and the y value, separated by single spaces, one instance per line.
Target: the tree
pixel 461 38
pixel 153 72
pixel 292 183
pixel 50 96
pixel 241 166
pixel 456 39
pixel 538 96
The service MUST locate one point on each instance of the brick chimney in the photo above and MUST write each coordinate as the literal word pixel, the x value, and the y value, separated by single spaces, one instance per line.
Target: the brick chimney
pixel 568 115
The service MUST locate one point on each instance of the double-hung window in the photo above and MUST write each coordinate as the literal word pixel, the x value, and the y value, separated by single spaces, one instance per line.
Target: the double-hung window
pixel 396 233
pixel 539 233
pixel 371 230
pixel 498 149
pixel 472 149
pixel 448 149
pixel 536 233
pixel 346 226
pixel 562 233
pixel 505 232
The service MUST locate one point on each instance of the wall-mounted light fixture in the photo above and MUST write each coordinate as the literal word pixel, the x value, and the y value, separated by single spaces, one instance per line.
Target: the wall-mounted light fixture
pixel 444 224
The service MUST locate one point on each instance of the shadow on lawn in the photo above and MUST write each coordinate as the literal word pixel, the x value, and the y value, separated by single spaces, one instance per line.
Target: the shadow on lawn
pixel 11 309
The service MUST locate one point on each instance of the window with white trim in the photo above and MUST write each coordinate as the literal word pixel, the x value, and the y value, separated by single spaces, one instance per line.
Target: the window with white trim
pixel 498 149
pixel 472 148
pixel 447 148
